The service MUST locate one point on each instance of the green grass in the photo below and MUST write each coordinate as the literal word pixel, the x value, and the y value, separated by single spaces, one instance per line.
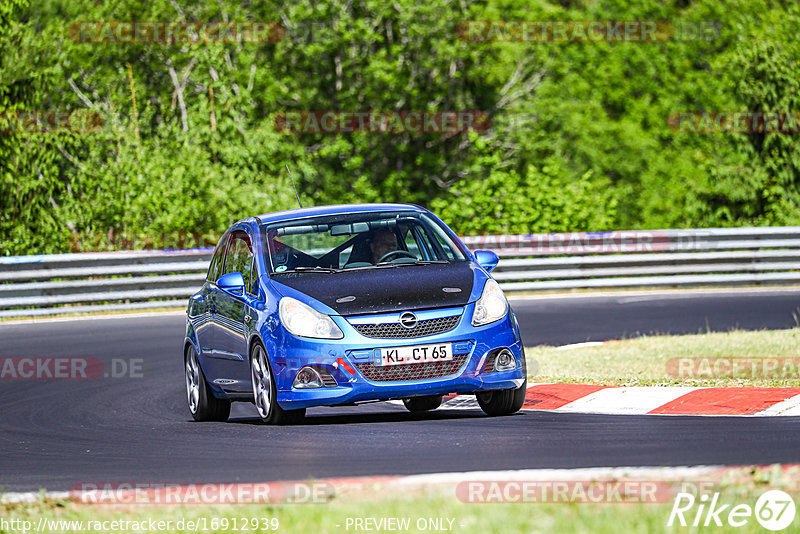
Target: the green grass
pixel 644 361
pixel 742 486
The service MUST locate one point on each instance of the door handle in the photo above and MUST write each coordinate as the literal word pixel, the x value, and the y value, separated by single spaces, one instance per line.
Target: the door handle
pixel 247 319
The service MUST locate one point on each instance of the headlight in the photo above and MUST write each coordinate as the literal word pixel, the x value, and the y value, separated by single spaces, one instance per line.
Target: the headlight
pixel 491 306
pixel 303 320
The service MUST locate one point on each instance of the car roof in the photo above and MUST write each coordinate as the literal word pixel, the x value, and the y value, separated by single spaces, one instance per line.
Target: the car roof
pixel 338 209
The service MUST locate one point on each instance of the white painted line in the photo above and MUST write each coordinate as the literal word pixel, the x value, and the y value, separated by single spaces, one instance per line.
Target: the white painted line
pixel 589 473
pixel 790 406
pixel 580 345
pixel 675 293
pixel 92 317
pixel 32 496
pixel 625 400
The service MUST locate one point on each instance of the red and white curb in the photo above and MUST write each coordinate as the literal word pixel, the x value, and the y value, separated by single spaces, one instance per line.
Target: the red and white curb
pixel 591 399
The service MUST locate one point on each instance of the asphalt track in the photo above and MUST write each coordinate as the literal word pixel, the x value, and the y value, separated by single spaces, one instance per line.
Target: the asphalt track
pixel 57 433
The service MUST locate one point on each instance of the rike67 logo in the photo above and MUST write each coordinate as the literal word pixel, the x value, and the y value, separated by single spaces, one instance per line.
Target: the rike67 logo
pixel 774 510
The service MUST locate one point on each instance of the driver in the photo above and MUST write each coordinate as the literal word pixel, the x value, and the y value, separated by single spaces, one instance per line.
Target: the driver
pixel 381 243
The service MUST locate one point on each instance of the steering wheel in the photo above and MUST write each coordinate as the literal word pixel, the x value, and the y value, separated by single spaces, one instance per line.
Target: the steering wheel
pixel 398 253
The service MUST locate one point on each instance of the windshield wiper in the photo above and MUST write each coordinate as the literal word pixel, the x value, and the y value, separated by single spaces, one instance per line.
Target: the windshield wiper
pixel 416 262
pixel 391 265
pixel 382 265
pixel 316 269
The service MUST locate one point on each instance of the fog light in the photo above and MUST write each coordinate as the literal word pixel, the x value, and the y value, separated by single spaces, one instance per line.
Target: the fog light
pixel 505 361
pixel 307 378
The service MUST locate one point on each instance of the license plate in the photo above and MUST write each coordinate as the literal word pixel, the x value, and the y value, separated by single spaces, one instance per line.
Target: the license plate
pixel 440 352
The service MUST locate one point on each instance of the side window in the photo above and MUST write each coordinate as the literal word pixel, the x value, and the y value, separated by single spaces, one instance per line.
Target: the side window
pixel 426 244
pixel 344 256
pixel 240 259
pixel 413 244
pixel 216 260
pixel 252 287
pixel 441 246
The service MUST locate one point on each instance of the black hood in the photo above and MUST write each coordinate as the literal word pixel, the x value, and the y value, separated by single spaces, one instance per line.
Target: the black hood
pixel 411 287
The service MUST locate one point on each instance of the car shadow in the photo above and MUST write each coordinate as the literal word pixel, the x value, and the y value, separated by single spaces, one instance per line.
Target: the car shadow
pixel 372 417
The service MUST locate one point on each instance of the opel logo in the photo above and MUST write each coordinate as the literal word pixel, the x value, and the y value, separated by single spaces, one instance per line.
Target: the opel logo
pixel 408 320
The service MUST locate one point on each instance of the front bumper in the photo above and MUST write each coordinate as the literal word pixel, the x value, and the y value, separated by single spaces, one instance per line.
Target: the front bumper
pixel 342 358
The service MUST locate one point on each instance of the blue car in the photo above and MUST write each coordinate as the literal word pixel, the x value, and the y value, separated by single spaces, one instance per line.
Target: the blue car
pixel 339 305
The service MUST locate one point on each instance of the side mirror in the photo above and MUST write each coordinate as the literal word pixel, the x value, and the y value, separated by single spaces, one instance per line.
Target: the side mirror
pixel 232 283
pixel 486 259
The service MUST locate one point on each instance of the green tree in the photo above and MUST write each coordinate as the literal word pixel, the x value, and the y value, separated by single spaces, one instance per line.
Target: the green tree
pixel 759 182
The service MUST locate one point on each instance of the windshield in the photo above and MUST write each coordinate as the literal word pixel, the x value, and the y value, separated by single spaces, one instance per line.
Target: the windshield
pixel 357 241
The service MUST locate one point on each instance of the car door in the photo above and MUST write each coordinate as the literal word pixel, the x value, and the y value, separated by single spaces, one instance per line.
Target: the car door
pixel 230 331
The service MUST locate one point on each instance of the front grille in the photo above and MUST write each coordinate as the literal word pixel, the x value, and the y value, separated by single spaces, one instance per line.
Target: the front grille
pixel 411 371
pixel 428 327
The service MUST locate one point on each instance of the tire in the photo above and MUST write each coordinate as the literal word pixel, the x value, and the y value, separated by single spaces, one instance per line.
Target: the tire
pixel 503 402
pixel 423 404
pixel 203 405
pixel 265 393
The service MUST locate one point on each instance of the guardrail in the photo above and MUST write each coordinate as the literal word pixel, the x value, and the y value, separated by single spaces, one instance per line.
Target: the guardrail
pixel 646 258
pixel 102 281
pixel 127 280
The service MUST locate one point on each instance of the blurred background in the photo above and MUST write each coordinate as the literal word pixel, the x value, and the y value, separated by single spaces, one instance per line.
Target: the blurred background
pixel 579 138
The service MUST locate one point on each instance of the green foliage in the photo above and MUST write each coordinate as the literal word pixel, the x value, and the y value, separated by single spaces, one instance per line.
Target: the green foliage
pixel 539 200
pixel 28 178
pixel 578 139
pixel 760 181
